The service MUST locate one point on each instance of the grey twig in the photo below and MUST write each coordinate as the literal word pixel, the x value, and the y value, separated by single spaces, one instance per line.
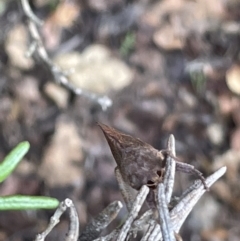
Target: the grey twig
pixel 169 175
pixel 112 236
pixel 186 203
pixel 169 222
pixel 180 212
pixel 151 226
pixel 29 13
pixel 74 222
pixel 60 77
pixel 156 233
pixel 145 218
pixel 164 194
pixel 137 204
pixel 163 213
pixel 168 183
pixel 96 226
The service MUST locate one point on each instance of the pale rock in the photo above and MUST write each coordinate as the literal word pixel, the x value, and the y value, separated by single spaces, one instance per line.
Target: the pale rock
pixel 59 166
pixel 183 17
pixel 16 46
pixel 57 93
pixel 96 70
pixel 230 159
pixel 28 89
pixel 233 79
pixel 215 133
pixel 167 38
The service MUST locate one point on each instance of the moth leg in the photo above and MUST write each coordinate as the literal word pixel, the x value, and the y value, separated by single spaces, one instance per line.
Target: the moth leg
pixel 73 226
pixel 125 189
pixel 187 168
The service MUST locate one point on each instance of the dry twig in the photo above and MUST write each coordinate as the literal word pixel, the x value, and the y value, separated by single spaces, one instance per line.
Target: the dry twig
pixel 163 228
pixel 59 75
pixel 73 226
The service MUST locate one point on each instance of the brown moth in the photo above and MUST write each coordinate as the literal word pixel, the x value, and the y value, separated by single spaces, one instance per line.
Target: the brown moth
pixel 140 163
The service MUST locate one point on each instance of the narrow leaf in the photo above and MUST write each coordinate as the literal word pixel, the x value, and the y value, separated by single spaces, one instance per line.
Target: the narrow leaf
pixel 21 202
pixel 12 159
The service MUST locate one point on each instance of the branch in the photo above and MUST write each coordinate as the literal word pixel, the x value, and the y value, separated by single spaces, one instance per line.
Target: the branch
pixel 59 75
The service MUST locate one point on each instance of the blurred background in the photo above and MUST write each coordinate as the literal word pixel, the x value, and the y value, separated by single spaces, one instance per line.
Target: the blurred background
pixel 169 66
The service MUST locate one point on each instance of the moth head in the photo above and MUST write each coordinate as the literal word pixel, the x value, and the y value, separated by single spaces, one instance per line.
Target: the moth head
pixel 158 178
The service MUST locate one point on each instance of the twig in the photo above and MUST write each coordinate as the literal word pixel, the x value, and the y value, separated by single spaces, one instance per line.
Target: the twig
pixel 149 230
pixel 156 233
pixel 169 175
pixel 60 76
pixel 164 194
pixel 93 229
pixel 180 212
pixel 73 226
pixel 163 213
pixel 168 181
pixel 112 236
pixel 138 202
pixel 169 222
pixel 28 11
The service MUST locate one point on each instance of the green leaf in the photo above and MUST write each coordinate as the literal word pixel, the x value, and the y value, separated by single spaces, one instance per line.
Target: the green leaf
pixel 128 44
pixel 20 202
pixel 12 159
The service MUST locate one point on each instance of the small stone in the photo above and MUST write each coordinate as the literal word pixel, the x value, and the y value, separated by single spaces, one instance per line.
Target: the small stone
pixel 16 46
pixel 233 79
pixel 166 38
pixel 96 70
pixel 60 162
pixel 215 133
pixel 28 89
pixel 57 93
pixel 230 159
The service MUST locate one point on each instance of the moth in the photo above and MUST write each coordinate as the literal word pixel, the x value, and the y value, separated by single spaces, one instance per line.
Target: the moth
pixel 138 163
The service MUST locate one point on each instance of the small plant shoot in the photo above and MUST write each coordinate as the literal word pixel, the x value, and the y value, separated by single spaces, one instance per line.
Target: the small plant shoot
pixel 21 202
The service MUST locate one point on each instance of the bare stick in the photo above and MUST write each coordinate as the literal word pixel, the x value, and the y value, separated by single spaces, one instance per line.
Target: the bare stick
pixel 180 212
pixel 145 218
pixel 60 76
pixel 73 232
pixel 169 175
pixel 149 231
pixel 156 233
pixel 138 202
pixel 74 222
pixel 164 217
pixel 96 226
pixel 168 186
pixel 170 156
pixel 29 13
pixel 112 236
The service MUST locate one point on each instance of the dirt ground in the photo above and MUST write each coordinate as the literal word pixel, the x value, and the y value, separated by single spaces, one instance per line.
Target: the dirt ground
pixel 169 67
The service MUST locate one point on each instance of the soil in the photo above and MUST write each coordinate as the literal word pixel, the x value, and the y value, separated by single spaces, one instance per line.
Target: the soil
pixel 182 77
